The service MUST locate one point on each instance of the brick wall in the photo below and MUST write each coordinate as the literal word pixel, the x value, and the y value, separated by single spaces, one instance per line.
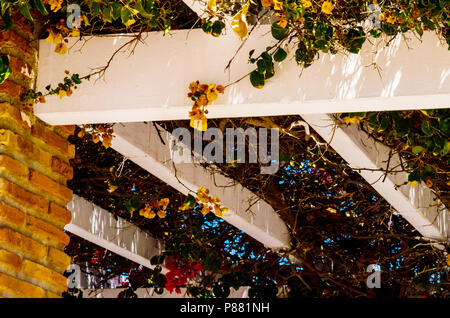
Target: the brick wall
pixel 34 169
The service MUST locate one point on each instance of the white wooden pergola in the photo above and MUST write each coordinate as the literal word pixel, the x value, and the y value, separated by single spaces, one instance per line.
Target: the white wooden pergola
pixel 151 84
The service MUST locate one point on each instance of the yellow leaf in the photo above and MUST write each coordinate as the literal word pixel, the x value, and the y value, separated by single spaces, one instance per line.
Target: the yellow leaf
pixel 75 32
pixel 327 7
pixel 61 48
pixel 239 22
pixel 199 124
pixel 212 6
pixel 129 22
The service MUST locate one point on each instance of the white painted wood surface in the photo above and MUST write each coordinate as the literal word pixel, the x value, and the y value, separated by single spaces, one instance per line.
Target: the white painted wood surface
pixel 98 226
pixel 151 84
pixel 141 143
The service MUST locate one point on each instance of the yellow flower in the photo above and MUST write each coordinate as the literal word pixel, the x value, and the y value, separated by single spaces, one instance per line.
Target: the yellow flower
pixel 206 210
pixel 391 19
pixel 283 22
pixel 193 87
pixel 202 195
pixel 217 211
pixel 267 3
pixel 239 22
pixel 327 7
pixel 55 5
pixel 212 93
pixel 382 16
pixel 306 3
pixel 163 203
pixel 53 38
pixel 61 48
pixel 352 120
pixel 278 5
pixel 62 93
pixel 162 214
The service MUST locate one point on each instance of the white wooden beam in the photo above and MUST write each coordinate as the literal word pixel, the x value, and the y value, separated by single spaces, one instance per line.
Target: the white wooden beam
pixel 98 226
pixel 141 143
pixel 418 205
pixel 151 84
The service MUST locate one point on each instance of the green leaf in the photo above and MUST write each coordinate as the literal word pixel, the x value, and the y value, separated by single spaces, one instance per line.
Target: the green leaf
pixel 217 28
pixel 418 149
pixel 5 69
pixel 261 65
pixel 39 4
pixel 207 27
pixel 278 32
pixel 107 14
pixel 116 6
pixel 280 55
pixel 6 17
pixel 257 79
pixel 25 10
pixel 136 202
pixel 426 129
pixel 190 201
pixel 125 15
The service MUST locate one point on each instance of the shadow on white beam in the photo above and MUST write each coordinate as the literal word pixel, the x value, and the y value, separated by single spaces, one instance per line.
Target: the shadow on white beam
pixel 98 226
pixel 141 143
pixel 417 205
pixel 151 84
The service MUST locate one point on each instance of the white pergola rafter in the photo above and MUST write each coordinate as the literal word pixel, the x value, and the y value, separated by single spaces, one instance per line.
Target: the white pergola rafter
pixel 141 143
pixel 151 84
pixel 99 226
pixel 156 76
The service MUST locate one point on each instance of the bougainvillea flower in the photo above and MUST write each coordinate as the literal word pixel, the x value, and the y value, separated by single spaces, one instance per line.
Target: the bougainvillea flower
pixel 61 48
pixel 267 3
pixel 327 7
pixel 212 93
pixel 53 37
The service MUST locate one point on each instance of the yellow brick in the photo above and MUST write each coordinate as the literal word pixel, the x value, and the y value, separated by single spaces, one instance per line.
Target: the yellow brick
pixel 23 197
pixel 43 277
pixel 48 185
pixel 46 233
pixel 10 262
pixel 22 245
pixel 10 38
pixel 51 138
pixel 58 260
pixel 62 168
pixel 14 167
pixel 11 88
pixel 13 287
pixel 60 216
pixel 11 216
